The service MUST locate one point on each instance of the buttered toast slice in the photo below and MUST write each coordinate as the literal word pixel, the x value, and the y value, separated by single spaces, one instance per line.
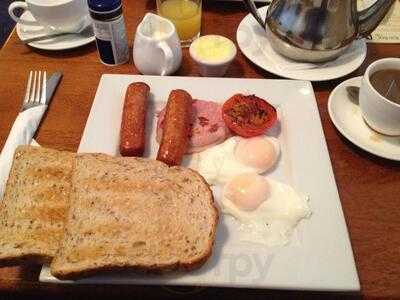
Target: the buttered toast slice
pixel 135 213
pixel 33 210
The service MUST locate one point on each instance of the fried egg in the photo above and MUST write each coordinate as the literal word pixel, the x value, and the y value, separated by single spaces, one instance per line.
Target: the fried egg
pixel 267 210
pixel 236 155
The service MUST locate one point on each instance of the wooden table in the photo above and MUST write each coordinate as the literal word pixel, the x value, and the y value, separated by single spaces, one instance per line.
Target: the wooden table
pixel 369 186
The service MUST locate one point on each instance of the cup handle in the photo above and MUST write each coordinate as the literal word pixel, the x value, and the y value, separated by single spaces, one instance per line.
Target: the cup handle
pixel 24 6
pixel 169 57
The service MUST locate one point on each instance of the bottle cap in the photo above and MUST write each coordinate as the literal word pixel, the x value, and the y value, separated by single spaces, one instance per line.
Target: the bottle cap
pixel 104 6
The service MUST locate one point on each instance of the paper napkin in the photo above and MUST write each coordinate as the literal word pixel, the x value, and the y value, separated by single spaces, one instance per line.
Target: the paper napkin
pixel 21 133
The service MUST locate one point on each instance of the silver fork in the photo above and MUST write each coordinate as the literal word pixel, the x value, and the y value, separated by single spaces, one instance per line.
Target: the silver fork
pixel 35 90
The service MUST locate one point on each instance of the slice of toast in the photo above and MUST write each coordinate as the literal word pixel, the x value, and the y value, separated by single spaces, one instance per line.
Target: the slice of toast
pixel 135 214
pixel 33 210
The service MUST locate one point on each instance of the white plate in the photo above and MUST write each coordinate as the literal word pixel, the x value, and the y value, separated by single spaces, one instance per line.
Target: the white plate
pixel 320 255
pixel 254 44
pixel 346 116
pixel 55 43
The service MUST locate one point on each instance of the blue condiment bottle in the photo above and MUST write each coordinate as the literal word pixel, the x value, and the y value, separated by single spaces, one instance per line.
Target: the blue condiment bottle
pixel 109 30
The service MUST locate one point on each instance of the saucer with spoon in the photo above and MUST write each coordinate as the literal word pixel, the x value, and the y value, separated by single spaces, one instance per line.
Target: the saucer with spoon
pixel 364 113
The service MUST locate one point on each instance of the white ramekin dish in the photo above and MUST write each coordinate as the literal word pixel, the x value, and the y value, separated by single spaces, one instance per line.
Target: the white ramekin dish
pixel 223 48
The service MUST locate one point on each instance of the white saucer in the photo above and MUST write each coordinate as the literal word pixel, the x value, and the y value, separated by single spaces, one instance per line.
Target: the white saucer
pixel 255 46
pixel 56 43
pixel 347 118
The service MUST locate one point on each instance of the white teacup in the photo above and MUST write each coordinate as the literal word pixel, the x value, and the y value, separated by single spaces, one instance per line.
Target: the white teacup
pixel 157 48
pixel 57 15
pixel 379 113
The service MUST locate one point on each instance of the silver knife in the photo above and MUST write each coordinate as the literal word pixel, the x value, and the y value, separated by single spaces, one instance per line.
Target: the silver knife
pixel 52 84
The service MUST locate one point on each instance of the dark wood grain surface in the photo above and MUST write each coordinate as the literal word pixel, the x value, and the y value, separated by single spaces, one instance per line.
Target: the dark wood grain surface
pixel 369 186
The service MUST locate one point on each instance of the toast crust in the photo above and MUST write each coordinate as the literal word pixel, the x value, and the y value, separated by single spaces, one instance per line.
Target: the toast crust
pixel 25 259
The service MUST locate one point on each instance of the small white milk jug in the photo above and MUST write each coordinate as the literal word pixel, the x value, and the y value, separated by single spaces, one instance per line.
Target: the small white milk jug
pixel 157 48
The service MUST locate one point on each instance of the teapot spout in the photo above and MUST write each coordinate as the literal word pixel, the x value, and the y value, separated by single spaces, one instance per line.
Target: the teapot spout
pixel 369 19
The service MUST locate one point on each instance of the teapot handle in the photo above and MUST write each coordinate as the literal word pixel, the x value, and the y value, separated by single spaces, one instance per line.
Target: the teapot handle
pixel 251 7
pixel 370 18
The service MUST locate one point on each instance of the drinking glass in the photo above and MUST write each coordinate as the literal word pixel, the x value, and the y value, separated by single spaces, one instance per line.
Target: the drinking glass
pixel 186 16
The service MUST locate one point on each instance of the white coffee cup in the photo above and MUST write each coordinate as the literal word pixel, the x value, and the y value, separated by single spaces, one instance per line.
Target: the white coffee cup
pixel 56 15
pixel 157 48
pixel 379 113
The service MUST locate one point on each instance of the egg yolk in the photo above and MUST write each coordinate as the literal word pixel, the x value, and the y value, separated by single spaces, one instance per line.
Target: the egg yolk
pixel 247 191
pixel 259 153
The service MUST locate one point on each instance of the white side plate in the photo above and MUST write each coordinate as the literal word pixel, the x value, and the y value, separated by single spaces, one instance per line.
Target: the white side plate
pixel 56 43
pixel 320 255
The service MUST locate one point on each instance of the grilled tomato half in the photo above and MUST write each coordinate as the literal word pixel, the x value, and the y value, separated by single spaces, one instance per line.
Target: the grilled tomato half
pixel 248 116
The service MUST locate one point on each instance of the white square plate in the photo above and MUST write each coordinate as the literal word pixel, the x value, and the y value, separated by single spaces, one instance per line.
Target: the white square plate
pixel 319 256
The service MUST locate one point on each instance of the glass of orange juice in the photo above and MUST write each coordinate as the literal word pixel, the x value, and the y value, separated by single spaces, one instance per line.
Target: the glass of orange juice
pixel 185 14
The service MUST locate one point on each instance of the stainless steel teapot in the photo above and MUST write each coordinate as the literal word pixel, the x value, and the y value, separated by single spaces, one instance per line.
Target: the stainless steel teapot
pixel 317 30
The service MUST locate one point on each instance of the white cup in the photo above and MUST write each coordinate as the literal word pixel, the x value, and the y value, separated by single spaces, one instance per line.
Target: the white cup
pixel 379 113
pixel 157 48
pixel 56 15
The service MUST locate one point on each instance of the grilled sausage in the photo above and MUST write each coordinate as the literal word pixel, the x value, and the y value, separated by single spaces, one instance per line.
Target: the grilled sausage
pixel 133 134
pixel 175 137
